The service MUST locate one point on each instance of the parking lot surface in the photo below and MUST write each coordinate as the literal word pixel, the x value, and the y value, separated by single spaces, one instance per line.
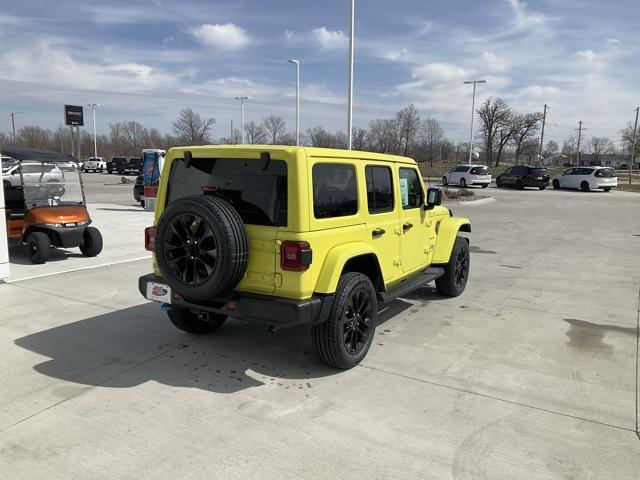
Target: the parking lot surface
pixel 529 374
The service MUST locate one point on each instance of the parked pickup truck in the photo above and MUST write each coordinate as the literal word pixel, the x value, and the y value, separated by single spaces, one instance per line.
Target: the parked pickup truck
pixel 94 164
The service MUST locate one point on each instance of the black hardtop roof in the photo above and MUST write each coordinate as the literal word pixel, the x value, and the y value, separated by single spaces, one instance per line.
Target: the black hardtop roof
pixel 19 153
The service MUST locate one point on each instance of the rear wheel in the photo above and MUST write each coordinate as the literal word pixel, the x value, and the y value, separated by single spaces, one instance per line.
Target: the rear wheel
pixel 39 247
pixel 456 272
pixel 556 185
pixel 485 185
pixel 498 182
pixel 194 321
pixel 520 185
pixel 606 189
pixel 344 339
pixel 584 186
pixel 101 169
pixel 542 187
pixel 91 245
pixel 463 183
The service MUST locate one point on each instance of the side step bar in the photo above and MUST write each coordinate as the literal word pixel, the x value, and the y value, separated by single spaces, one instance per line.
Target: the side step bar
pixel 408 284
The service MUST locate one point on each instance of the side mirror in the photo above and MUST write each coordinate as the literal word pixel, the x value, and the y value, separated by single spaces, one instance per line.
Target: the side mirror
pixel 434 198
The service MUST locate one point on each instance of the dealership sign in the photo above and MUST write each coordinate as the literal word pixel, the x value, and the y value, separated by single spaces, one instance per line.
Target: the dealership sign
pixel 73 115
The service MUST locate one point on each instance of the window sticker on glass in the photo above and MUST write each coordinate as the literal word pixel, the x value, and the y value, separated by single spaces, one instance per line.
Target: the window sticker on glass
pixel 404 190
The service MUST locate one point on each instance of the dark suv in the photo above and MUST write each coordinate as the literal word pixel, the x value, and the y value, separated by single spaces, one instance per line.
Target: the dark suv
pixel 117 164
pixel 522 176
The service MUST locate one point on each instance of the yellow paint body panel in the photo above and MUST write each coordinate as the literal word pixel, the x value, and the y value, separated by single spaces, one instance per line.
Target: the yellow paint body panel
pixel 334 241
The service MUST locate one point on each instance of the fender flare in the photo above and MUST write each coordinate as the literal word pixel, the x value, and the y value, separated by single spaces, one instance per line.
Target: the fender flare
pixel 448 229
pixel 335 261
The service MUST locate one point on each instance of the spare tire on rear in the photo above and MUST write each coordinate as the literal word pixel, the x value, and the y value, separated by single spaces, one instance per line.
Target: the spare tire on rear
pixel 201 247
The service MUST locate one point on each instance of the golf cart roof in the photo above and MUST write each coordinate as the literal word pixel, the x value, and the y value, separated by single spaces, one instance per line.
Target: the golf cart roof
pixel 34 154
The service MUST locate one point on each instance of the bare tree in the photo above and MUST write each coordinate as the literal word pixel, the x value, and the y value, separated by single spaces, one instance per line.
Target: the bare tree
pixel 524 128
pixel 494 114
pixel 319 137
pixel 599 146
pixel 383 135
pixel 408 122
pixel 274 126
pixel 33 137
pixel 359 137
pixel 254 132
pixel 135 136
pixel 430 137
pixel 191 129
pixel 550 149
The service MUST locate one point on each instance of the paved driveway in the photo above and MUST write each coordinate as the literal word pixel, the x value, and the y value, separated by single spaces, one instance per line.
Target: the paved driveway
pixel 530 374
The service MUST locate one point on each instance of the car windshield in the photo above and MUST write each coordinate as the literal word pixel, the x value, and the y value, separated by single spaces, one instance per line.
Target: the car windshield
pixel 51 184
pixel 605 172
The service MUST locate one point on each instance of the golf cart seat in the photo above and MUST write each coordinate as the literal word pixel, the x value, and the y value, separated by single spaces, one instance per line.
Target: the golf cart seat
pixel 14 203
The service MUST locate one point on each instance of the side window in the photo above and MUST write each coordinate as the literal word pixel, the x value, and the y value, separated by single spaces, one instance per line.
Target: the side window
pixel 379 189
pixel 335 192
pixel 507 171
pixel 410 188
pixel 461 169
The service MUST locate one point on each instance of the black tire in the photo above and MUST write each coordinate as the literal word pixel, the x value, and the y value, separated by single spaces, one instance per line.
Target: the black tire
pixel 499 182
pixel 584 186
pixel 343 340
pixel 142 203
pixel 606 189
pixel 542 187
pixel 456 272
pixel 485 185
pixel 101 169
pixel 444 181
pixel 91 245
pixel 39 247
pixel 520 185
pixel 191 321
pixel 109 171
pixel 6 184
pixel 201 247
pixel 463 183
pixel 556 185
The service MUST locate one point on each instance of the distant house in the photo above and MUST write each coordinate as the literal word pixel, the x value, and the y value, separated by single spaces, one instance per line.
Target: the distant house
pixel 615 160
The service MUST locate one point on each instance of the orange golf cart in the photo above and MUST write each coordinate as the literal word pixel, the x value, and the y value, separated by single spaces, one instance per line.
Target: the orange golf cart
pixel 45 203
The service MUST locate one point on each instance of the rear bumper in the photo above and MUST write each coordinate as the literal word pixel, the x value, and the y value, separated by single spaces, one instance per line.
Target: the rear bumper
pixel 534 182
pixel 266 309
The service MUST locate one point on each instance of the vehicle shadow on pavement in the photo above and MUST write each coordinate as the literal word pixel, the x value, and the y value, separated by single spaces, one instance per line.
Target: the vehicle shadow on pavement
pixel 126 348
pixel 18 255
pixel 125 209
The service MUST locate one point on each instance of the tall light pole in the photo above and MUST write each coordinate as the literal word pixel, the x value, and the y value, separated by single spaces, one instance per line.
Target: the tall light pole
pixel 473 106
pixel 350 99
pixel 242 98
pixel 13 125
pixel 95 138
pixel 633 148
pixel 297 64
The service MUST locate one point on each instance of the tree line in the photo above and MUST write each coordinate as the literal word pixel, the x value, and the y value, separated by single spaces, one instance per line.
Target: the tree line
pixel 502 131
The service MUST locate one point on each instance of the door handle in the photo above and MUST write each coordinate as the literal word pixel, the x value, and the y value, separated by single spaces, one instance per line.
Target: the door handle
pixel 378 232
pixel 407 226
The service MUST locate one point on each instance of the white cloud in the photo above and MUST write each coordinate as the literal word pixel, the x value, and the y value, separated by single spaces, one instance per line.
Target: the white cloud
pixel 226 36
pixel 526 20
pixel 439 72
pixel 329 39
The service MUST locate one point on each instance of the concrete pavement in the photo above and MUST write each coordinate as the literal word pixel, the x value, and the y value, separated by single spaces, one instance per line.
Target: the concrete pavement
pixel 529 374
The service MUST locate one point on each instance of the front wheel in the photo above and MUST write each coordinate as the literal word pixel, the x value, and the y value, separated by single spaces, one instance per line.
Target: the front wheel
pixel 498 182
pixel 485 185
pixel 556 185
pixel 194 321
pixel 343 340
pixel 444 181
pixel 39 247
pixel 463 183
pixel 520 185
pixel 101 169
pixel 456 272
pixel 584 186
pixel 91 245
pixel 542 187
pixel 606 189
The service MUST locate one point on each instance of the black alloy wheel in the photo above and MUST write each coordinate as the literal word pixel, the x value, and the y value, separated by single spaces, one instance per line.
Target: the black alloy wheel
pixel 357 322
pixel 461 271
pixel 191 249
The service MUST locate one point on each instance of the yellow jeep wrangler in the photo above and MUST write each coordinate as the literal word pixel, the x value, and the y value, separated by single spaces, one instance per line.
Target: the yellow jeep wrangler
pixel 294 235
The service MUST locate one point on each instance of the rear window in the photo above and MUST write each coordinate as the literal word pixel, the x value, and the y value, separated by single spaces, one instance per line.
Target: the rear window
pixel 256 189
pixel 335 193
pixel 537 171
pixel 480 171
pixel 605 172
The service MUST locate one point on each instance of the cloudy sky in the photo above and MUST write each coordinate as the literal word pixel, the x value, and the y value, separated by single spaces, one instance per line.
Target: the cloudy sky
pixel 146 60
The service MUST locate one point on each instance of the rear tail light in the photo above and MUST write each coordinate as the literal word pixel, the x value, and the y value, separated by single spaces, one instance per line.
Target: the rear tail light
pixel 150 239
pixel 295 256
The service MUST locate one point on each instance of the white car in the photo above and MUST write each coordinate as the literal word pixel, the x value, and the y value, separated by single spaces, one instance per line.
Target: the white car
pixel 94 164
pixel 467 175
pixel 586 178
pixel 32 173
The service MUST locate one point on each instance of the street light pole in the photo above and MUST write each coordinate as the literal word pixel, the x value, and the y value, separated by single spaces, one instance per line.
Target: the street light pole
pixel 242 98
pixel 95 138
pixel 633 148
pixel 297 64
pixel 350 97
pixel 13 125
pixel 473 106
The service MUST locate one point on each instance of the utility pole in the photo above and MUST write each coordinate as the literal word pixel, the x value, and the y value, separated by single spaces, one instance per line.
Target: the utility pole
pixel 242 98
pixel 633 148
pixel 95 138
pixel 580 130
pixel 231 134
pixel 473 106
pixel 544 119
pixel 297 64
pixel 350 96
pixel 13 125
